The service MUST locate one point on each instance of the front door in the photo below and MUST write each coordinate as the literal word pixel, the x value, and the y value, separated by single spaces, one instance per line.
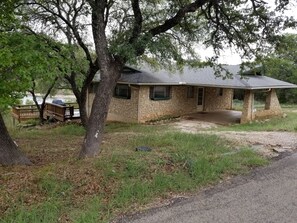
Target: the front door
pixel 200 98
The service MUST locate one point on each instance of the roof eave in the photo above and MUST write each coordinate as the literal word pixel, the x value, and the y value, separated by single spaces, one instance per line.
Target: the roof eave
pixel 209 85
pixel 272 87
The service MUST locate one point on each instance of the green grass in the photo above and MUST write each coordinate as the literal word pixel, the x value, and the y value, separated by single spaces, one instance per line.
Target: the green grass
pixel 179 162
pixel 288 123
pixel 53 187
pixel 238 104
pixel 48 211
pixel 70 130
pixel 112 127
pixel 89 212
pixel 120 179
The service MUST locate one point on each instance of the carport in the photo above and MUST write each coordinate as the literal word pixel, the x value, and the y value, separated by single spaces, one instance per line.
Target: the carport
pixel 250 81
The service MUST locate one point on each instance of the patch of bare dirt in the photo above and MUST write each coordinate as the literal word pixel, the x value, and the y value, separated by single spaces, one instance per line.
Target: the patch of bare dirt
pixel 193 126
pixel 269 144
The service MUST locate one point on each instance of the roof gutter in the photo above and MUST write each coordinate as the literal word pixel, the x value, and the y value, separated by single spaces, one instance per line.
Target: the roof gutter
pixel 208 85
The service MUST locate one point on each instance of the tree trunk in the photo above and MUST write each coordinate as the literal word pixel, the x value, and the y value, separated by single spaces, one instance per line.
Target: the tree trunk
pixel 42 106
pixel 93 68
pixel 81 99
pixel 81 95
pixel 9 152
pixel 110 72
pixel 96 122
pixel 39 107
pixel 83 109
pixel 41 112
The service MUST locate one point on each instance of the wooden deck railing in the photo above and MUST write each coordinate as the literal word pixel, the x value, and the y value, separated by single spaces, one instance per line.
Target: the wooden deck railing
pixel 58 112
pixel 25 112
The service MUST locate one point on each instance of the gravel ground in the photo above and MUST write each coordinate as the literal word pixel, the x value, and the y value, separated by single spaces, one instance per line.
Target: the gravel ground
pixel 270 144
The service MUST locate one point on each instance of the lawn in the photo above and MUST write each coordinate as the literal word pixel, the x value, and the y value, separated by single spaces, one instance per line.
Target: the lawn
pixel 287 123
pixel 61 188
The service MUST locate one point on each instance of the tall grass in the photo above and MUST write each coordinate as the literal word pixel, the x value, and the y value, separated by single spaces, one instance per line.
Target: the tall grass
pixel 48 211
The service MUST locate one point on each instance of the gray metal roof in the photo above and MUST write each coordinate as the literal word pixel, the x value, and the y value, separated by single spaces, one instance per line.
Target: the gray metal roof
pixel 202 77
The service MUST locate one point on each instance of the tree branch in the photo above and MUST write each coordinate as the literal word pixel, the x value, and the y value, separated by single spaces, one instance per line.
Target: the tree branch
pixel 137 26
pixel 49 90
pixel 70 24
pixel 175 20
pixel 32 92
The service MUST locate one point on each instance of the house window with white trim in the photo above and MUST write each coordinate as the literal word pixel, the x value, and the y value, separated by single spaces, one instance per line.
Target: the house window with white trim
pixel 160 93
pixel 122 91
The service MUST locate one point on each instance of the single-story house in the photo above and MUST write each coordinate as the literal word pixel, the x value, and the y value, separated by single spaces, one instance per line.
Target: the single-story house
pixel 145 94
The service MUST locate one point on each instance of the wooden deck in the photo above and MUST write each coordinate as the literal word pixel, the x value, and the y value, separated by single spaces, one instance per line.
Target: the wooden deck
pixel 53 111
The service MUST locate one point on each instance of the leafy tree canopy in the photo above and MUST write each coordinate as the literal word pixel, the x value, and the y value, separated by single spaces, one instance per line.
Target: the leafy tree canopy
pixel 24 58
pixel 282 64
pixel 7 16
pixel 165 32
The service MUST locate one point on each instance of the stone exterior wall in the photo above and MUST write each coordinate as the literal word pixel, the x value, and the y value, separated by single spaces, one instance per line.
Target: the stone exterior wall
pixel 213 101
pixel 140 108
pixel 272 107
pixel 178 104
pixel 248 107
pixel 123 110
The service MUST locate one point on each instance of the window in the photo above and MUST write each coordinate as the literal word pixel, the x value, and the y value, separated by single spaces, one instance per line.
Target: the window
pixel 160 93
pixel 219 91
pixel 122 91
pixel 190 92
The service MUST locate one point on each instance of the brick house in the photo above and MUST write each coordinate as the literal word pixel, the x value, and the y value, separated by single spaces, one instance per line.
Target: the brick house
pixel 142 94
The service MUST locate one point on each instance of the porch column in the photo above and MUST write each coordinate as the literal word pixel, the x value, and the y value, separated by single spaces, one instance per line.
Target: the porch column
pixel 272 102
pixel 248 105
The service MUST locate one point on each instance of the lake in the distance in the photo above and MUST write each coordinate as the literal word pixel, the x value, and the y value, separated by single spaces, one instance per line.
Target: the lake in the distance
pixel 28 99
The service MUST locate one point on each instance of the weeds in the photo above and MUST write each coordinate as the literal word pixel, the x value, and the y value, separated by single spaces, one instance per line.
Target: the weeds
pixel 48 211
pixel 120 179
pixel 288 123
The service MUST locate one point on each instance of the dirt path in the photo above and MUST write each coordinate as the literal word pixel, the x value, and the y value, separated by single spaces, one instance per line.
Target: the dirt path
pixel 270 144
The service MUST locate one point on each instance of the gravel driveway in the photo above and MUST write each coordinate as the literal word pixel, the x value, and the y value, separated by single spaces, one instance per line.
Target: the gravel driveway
pixel 270 144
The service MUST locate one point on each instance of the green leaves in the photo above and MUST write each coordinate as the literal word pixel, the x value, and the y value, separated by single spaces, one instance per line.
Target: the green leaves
pixel 282 64
pixel 7 17
pixel 26 57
